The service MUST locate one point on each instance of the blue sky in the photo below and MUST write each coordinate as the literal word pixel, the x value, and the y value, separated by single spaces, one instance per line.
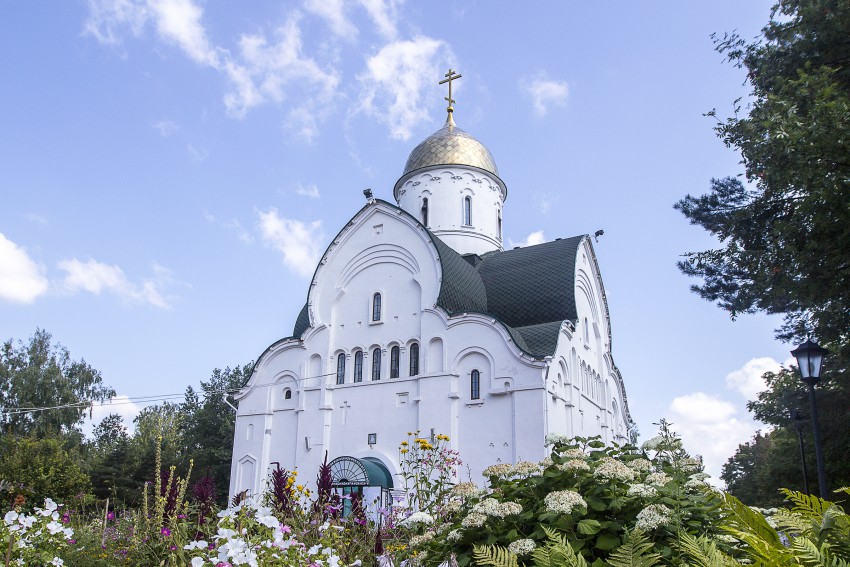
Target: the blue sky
pixel 170 171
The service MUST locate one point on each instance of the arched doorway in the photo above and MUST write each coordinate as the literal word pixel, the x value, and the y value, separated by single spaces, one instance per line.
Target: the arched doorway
pixel 367 477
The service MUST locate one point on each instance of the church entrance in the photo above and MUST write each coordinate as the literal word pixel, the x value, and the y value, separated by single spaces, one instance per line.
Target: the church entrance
pixel 366 478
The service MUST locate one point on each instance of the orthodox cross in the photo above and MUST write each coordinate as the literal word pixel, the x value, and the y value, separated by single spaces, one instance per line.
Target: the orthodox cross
pixel 344 407
pixel 450 76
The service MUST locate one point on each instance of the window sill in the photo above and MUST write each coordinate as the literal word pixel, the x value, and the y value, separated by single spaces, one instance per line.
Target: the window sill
pixel 475 403
pixel 376 322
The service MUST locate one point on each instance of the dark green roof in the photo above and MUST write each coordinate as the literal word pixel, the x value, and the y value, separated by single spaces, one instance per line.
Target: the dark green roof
pixel 529 290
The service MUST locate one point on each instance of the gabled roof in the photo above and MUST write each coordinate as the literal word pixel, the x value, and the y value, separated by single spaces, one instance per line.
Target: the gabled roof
pixel 529 290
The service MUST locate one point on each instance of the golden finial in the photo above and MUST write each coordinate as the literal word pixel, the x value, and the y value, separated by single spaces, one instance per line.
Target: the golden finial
pixel 450 76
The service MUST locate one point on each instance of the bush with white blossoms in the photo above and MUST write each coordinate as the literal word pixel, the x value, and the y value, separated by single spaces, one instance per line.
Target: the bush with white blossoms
pixel 595 496
pixel 34 539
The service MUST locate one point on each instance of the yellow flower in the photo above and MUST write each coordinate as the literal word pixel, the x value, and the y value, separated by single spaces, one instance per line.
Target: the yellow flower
pixel 404 443
pixel 403 451
pixel 300 487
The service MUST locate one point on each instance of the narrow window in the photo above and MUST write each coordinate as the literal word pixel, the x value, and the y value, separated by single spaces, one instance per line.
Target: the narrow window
pixel 340 369
pixel 376 364
pixel 376 307
pixel 500 223
pixel 414 359
pixel 394 356
pixel 287 394
pixel 425 211
pixel 358 366
pixel 475 385
pixel 467 211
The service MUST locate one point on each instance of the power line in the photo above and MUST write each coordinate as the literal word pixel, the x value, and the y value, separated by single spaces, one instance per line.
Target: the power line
pixel 124 400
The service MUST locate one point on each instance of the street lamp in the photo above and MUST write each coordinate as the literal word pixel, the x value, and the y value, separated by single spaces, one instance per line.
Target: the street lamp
pixel 809 357
pixel 798 418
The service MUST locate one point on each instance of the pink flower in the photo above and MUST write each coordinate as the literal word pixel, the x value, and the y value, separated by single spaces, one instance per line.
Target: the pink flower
pixel 285 529
pixel 165 531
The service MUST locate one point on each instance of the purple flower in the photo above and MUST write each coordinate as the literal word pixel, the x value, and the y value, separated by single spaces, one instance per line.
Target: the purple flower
pixel 173 548
pixel 110 516
pixel 165 531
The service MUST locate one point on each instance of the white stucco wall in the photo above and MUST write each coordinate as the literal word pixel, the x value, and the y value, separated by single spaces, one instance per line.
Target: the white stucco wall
pixel 522 399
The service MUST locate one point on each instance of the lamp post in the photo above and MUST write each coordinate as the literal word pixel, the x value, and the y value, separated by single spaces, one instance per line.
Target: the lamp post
pixel 809 357
pixel 797 418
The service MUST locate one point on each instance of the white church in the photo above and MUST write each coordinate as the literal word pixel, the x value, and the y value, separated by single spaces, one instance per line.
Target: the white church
pixel 417 318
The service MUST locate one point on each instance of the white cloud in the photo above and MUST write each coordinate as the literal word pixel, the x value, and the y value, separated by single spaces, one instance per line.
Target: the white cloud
pixel 120 404
pixel 165 127
pixel 535 237
pixel 397 78
pixel 197 155
pixel 309 191
pixel 232 224
pixel 96 277
pixel 21 278
pixel 263 71
pixel 545 201
pixel 333 12
pixel 748 380
pixel 383 14
pixel 711 427
pixel 298 241
pixel 36 218
pixel 544 92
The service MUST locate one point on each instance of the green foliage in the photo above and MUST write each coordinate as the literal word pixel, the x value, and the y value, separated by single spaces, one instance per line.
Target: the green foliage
pixel 603 503
pixel 772 460
pixel 636 551
pixel 43 375
pixel 494 555
pixel 42 468
pixel 785 243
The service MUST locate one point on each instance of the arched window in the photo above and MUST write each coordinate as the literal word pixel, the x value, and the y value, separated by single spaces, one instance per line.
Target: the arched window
pixel 376 307
pixel 414 359
pixel 376 364
pixel 340 368
pixel 358 366
pixel 467 211
pixel 394 356
pixel 500 223
pixel 475 385
pixel 425 211
pixel 287 394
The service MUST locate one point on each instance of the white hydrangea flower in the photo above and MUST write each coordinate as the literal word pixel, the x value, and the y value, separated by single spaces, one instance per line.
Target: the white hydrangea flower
pixel 694 484
pixel 563 501
pixel 642 491
pixel 652 517
pixel 526 469
pixel 510 508
pixel 466 490
pixel 522 546
pixel 658 478
pixel 418 518
pixel 573 453
pixel 554 438
pixel 641 465
pixel 474 520
pixel 574 465
pixel 501 469
pixel 488 507
pixel 691 464
pixel 612 469
pixel 700 476
pixel 418 540
pixel 546 462
pixel 454 535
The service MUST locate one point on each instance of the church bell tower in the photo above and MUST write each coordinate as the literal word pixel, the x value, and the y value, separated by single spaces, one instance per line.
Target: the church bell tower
pixel 451 185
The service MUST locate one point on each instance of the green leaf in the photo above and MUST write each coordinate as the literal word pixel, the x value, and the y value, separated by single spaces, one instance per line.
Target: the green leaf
pixel 607 541
pixel 588 527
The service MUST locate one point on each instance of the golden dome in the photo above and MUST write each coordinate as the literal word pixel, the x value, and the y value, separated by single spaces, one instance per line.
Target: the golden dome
pixel 450 146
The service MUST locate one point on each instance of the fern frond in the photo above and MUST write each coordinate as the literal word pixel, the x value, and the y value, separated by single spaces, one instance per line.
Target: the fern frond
pixel 493 556
pixel 741 518
pixel 557 553
pixel 702 551
pixel 806 505
pixel 807 553
pixel 633 553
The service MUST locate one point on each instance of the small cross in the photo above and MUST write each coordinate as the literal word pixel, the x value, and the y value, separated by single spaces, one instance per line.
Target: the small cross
pixel 344 407
pixel 450 76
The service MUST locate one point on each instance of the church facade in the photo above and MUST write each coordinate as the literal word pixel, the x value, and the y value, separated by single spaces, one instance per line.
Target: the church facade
pixel 417 319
